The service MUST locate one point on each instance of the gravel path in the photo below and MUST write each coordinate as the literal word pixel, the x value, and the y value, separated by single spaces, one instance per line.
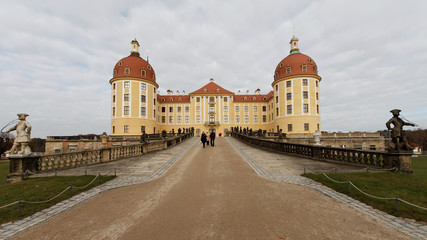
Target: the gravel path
pixel 212 193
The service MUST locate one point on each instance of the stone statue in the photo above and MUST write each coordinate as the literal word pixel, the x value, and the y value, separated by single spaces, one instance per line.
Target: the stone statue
pixel 23 136
pixel 316 136
pixel 397 134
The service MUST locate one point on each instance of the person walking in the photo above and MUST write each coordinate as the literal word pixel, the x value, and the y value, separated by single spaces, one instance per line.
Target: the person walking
pixel 203 139
pixel 212 137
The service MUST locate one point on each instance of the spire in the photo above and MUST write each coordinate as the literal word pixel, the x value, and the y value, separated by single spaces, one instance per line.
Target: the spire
pixel 134 51
pixel 294 45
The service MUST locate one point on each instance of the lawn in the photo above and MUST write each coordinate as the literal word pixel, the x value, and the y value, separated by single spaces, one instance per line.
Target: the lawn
pixel 38 189
pixel 411 188
pixel 4 170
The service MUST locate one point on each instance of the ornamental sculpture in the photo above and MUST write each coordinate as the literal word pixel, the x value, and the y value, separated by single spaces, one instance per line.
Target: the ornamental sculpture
pixel 400 142
pixel 23 136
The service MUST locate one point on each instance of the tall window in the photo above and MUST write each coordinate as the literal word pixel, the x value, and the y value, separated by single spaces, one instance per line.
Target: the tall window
pixel 305 107
pixel 304 82
pixel 163 119
pixel 255 108
pixel 306 127
pixel 225 99
pixel 305 94
pixel 264 108
pixel 187 109
pixel 246 108
pixel 143 98
pixel 126 110
pixel 225 118
pixel 142 86
pixel 142 129
pixel 126 128
pixel 237 118
pixel 187 119
pixel 126 98
pixel 255 118
pixel 225 108
pixel 212 119
pixel 170 109
pixel 178 119
pixel 289 127
pixel 289 109
pixel 277 111
pixel 179 109
pixel 114 111
pixel 317 106
pixel 197 99
pixel 170 119
pixel 317 96
pixel 237 108
pixel 142 111
pixel 211 99
pixel 127 84
pixel 163 109
pixel 197 108
pixel 114 129
pixel 114 98
pixel 198 119
pixel 114 86
pixel 288 83
pixel 277 99
pixel 288 96
pixel 246 118
pixel 264 118
pixel 211 108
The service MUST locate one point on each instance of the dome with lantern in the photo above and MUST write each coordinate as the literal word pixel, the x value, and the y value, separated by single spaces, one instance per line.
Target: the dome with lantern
pixel 134 66
pixel 295 63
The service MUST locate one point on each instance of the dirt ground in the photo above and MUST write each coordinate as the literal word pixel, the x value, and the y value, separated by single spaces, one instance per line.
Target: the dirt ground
pixel 212 193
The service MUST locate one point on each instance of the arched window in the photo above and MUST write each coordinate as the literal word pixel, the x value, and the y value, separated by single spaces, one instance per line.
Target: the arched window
pixel 142 73
pixel 127 70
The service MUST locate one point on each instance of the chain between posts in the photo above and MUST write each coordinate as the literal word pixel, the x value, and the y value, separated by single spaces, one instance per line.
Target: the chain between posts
pixel 397 199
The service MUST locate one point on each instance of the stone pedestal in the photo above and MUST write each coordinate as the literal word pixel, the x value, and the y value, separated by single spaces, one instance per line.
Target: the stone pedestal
pixel 20 163
pixel 401 160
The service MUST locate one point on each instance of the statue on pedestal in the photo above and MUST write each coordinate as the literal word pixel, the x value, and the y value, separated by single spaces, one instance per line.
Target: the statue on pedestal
pixel 23 136
pixel 397 134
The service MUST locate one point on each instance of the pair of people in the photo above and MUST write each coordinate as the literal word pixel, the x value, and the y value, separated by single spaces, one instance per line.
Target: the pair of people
pixel 204 139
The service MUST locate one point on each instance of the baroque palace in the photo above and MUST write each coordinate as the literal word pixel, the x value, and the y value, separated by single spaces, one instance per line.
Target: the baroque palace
pixel 292 105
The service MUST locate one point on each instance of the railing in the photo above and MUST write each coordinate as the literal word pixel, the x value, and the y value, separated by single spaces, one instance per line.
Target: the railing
pixel 53 162
pixel 348 156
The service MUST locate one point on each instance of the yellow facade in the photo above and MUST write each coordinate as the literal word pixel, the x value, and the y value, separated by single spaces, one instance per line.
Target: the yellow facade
pixel 292 106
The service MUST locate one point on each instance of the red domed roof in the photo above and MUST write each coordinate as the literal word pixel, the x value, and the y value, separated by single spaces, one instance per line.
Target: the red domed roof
pixel 295 64
pixel 134 66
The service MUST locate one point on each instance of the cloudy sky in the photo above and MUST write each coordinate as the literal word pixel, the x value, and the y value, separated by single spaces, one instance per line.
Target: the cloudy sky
pixel 56 57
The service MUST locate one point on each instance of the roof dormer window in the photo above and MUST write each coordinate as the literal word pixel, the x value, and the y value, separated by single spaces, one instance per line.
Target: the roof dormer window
pixel 254 98
pixel 217 90
pixel 180 99
pixel 205 91
pixel 142 73
pixel 245 98
pixel 127 70
pixel 304 68
pixel 288 70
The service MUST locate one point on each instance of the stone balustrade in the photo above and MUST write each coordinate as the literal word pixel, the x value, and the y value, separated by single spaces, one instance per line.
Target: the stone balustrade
pixel 376 159
pixel 52 162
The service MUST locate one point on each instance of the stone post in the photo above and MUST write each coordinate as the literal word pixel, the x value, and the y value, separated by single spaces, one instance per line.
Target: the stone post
pixel 20 163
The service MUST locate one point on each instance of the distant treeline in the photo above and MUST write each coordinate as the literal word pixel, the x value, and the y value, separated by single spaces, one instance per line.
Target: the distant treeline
pixel 418 138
